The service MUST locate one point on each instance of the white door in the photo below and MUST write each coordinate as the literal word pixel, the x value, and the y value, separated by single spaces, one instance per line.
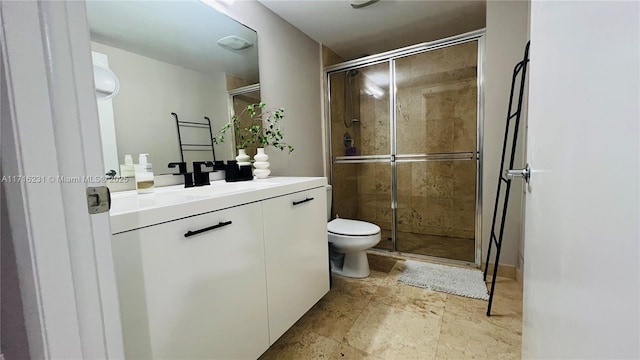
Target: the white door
pixel 581 274
pixel 50 140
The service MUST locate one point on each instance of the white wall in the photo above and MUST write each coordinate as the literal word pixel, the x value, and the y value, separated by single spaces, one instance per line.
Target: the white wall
pixel 290 78
pixel 150 90
pixel 506 36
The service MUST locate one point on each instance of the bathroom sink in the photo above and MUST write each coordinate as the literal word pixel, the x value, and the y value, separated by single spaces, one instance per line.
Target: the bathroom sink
pixel 222 187
pixel 130 210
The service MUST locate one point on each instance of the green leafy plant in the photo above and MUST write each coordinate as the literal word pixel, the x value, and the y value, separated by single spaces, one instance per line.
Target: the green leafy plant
pixel 264 130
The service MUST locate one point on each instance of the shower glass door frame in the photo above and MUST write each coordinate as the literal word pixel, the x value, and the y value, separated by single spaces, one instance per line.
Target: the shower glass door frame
pixel 393 158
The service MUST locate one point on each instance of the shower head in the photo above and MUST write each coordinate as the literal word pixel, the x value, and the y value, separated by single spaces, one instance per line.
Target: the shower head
pixel 352 72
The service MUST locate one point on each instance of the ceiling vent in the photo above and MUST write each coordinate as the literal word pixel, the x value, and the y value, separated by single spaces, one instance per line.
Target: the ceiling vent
pixel 234 43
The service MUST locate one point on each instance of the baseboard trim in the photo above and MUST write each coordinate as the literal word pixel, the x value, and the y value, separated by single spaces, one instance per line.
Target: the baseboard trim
pixel 519 278
pixel 508 271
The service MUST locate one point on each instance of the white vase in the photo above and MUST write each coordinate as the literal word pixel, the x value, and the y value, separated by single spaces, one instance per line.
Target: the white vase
pixel 243 158
pixel 261 164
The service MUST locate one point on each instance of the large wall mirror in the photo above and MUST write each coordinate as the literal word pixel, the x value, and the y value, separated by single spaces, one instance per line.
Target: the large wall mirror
pixel 180 57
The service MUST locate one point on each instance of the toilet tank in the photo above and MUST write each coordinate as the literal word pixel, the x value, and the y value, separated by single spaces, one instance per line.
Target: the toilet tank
pixel 329 194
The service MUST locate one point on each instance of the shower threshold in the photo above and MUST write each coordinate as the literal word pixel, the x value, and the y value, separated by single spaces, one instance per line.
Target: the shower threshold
pixel 411 256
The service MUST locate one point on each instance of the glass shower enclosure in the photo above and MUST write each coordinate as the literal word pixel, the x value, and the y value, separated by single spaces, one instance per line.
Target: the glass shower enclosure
pixel 405 145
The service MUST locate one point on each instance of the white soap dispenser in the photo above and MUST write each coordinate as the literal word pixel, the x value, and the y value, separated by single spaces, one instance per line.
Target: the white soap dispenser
pixel 127 169
pixel 144 175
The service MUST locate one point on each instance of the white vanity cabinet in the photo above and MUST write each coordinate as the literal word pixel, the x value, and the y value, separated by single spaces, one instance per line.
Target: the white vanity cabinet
pixel 194 297
pixel 295 236
pixel 218 272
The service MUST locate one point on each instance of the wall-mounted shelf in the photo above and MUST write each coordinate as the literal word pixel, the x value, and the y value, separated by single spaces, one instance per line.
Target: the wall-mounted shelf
pixel 185 146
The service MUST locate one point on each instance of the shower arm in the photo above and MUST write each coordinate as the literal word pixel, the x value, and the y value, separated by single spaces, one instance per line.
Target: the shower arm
pixel 348 100
pixel 349 118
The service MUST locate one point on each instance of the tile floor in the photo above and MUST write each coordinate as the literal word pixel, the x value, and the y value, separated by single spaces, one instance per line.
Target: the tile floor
pixel 381 318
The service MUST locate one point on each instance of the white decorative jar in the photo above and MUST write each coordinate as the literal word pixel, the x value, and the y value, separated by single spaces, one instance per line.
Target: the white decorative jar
pixel 243 158
pixel 261 164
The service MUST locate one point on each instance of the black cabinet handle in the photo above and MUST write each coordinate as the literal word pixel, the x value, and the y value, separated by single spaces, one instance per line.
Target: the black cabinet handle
pixel 196 232
pixel 302 201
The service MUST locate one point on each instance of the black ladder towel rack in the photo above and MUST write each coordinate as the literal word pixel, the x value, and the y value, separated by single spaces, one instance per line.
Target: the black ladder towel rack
pixel 520 69
pixel 194 147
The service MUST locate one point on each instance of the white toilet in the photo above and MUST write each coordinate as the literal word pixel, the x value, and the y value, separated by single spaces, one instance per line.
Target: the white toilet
pixel 351 238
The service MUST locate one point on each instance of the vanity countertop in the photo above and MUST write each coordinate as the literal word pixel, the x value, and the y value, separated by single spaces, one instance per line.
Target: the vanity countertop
pixel 130 210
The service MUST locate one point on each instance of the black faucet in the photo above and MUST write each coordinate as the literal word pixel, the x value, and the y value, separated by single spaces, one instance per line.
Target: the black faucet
pixel 182 167
pixel 200 177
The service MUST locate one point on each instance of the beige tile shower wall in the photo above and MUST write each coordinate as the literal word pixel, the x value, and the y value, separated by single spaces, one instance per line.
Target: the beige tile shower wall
pixel 437 198
pixel 374 112
pixel 443 192
pixel 374 185
pixel 338 116
pixel 438 119
pixel 345 196
pixel 374 193
pixel 234 82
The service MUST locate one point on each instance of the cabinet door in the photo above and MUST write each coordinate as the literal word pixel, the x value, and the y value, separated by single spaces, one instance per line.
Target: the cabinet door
pixel 201 296
pixel 296 245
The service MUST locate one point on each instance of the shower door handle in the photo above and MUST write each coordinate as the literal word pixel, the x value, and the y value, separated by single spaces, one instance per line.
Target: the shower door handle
pixel 523 173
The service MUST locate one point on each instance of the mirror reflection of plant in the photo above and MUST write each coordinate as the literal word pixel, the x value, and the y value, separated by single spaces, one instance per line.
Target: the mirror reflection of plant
pixel 265 129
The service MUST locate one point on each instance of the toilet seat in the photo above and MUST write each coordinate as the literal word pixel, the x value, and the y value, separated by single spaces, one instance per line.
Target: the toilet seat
pixel 348 227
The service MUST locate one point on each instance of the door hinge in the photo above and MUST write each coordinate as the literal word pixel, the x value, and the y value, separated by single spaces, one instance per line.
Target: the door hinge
pixel 98 199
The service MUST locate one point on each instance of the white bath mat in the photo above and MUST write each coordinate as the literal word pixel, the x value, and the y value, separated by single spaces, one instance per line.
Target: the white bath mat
pixel 448 279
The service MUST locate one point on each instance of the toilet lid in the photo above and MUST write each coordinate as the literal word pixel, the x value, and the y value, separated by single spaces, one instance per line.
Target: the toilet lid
pixel 352 227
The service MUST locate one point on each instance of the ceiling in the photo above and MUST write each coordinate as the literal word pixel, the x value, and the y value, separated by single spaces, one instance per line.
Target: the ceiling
pixel 385 25
pixel 182 33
